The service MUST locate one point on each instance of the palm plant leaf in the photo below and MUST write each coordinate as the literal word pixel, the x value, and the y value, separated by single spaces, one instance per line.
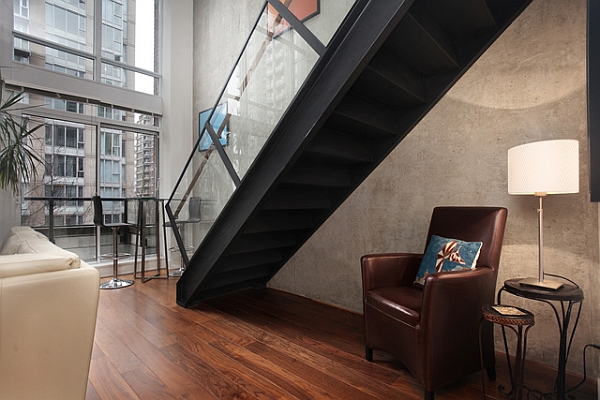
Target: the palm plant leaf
pixel 18 159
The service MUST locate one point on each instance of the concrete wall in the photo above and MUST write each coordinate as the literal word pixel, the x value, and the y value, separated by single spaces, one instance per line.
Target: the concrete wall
pixel 177 92
pixel 529 86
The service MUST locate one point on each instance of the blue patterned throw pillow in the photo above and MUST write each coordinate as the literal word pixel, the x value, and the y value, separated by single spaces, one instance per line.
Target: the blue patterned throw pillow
pixel 444 254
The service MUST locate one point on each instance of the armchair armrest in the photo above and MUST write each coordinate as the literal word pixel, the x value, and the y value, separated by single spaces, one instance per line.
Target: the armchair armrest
pixel 390 269
pixel 446 293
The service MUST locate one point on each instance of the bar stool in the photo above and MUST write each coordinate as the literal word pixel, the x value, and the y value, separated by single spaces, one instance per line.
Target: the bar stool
pixel 514 318
pixel 115 282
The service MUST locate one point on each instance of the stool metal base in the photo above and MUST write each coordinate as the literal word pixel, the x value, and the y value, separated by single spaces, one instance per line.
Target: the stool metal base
pixel 110 256
pixel 116 283
pixel 177 272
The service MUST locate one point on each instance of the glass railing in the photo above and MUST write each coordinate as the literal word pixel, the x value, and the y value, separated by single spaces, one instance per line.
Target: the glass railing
pixel 69 223
pixel 287 41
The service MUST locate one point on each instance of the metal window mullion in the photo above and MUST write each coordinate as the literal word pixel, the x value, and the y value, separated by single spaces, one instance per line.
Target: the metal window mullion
pixel 133 68
pixel 298 26
pixel 93 120
pixel 84 54
pixel 98 41
pixel 53 45
pixel 97 125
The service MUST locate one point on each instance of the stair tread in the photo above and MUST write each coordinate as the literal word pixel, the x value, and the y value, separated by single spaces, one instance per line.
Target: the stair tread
pixel 279 220
pixel 287 198
pixel 339 147
pixel 390 83
pixel 461 18
pixel 315 174
pixel 422 45
pixel 361 118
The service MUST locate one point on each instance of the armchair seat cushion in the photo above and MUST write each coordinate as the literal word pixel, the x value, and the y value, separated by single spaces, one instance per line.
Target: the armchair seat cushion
pixel 400 302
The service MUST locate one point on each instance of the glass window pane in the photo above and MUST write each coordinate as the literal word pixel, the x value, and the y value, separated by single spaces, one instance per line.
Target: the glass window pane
pixel 71 137
pixel 65 30
pixel 128 32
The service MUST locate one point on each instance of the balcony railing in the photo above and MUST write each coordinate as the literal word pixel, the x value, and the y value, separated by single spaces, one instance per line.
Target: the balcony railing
pixel 48 215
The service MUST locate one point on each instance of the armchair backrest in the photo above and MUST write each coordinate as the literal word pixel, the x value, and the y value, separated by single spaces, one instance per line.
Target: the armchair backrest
pixel 472 224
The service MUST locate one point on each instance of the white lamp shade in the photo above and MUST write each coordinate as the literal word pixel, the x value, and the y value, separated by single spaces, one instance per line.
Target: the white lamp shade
pixel 546 167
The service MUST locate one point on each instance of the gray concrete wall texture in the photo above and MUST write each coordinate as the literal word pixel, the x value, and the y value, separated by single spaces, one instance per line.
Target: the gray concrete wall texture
pixel 530 85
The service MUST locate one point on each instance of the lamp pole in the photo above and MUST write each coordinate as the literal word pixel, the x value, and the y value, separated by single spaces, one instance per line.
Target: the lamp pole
pixel 540 212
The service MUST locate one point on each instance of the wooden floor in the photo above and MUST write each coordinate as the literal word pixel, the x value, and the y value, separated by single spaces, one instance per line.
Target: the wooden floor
pixel 261 344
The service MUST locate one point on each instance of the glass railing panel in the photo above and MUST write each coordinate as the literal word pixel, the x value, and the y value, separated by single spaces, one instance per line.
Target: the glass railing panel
pixel 209 187
pixel 263 84
pixel 142 213
pixel 268 75
pixel 78 234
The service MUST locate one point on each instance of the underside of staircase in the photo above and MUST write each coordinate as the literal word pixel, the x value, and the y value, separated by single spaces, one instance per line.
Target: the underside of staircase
pixel 390 65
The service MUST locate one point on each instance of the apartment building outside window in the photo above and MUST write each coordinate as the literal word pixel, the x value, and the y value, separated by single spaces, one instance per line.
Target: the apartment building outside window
pixel 89 144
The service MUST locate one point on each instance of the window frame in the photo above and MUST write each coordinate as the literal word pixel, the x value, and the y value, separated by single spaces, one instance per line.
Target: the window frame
pixel 30 77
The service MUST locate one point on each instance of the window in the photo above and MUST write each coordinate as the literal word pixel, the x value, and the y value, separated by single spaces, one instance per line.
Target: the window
pixel 21 8
pixel 64 166
pixel 89 137
pixel 90 131
pixel 57 135
pixel 110 144
pixel 66 41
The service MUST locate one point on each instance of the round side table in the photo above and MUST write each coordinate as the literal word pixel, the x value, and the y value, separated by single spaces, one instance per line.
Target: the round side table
pixel 568 296
pixel 514 318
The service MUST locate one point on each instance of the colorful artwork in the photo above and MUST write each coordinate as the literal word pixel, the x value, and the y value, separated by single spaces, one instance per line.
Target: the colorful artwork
pixel 302 9
pixel 217 120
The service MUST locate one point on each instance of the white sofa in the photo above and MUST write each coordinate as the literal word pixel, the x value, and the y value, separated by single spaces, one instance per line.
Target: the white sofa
pixel 48 307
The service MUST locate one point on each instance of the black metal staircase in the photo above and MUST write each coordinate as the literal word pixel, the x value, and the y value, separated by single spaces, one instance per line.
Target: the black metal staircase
pixel 389 65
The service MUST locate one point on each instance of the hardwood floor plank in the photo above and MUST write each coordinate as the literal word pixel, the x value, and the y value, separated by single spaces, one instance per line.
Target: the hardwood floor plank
pixel 152 311
pixel 176 379
pixel 237 372
pixel 90 392
pixel 318 377
pixel 210 377
pixel 119 354
pixel 147 385
pixel 294 386
pixel 351 377
pixel 257 344
pixel 317 341
pixel 264 318
pixel 108 383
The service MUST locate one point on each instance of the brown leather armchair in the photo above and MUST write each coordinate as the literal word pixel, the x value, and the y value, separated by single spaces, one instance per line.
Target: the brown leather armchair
pixel 433 330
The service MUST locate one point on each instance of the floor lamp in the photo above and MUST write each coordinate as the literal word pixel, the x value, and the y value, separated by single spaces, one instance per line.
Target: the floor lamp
pixel 540 169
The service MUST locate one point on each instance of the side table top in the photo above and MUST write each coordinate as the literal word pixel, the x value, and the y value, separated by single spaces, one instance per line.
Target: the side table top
pixel 490 313
pixel 565 293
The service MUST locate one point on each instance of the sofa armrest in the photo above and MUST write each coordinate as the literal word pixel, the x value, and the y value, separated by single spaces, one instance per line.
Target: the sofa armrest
pixel 32 263
pixel 47 326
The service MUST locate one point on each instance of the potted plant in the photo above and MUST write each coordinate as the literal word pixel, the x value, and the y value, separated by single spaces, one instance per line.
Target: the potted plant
pixel 18 159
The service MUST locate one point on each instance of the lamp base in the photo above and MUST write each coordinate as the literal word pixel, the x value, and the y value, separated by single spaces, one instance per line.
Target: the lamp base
pixel 549 285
